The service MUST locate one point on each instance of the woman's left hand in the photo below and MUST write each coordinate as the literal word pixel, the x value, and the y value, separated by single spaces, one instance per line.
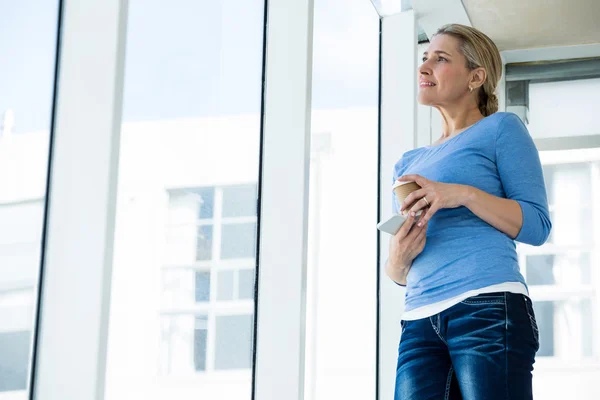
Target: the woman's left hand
pixel 433 196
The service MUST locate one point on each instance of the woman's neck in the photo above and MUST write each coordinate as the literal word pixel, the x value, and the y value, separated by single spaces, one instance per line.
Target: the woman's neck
pixel 457 120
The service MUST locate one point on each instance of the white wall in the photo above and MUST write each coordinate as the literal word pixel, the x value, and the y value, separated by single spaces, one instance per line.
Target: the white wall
pixel 568 108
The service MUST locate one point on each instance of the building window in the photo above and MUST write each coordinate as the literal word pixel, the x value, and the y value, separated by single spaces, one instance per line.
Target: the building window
pixel 208 279
pixel 200 337
pixel 202 286
pixel 560 276
pixel 234 342
pixel 14 362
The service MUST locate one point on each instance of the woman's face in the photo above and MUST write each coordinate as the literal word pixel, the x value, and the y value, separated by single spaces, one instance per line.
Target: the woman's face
pixel 443 76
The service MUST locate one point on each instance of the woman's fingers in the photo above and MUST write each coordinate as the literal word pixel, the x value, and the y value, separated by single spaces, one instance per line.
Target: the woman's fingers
pixel 420 205
pixel 421 238
pixel 416 232
pixel 422 243
pixel 405 228
pixel 425 218
pixel 417 194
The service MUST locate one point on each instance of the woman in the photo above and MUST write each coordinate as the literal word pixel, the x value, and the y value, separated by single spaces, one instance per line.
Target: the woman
pixel 468 330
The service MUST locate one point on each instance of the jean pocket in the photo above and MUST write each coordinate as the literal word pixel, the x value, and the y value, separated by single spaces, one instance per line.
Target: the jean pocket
pixel 486 298
pixel 532 320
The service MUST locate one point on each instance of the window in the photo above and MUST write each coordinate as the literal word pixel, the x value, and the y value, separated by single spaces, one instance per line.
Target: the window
pixel 202 286
pixel 14 347
pixel 342 239
pixel 185 238
pixel 200 337
pixel 559 273
pixel 222 283
pixel 26 97
pixel 233 351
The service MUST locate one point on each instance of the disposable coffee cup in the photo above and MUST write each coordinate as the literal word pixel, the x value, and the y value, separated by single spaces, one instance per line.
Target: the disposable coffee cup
pixel 402 190
pixel 395 222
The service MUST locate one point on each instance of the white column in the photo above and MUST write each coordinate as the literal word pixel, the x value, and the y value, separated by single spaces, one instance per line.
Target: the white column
pixel 398 135
pixel 280 340
pixel 595 260
pixel 76 280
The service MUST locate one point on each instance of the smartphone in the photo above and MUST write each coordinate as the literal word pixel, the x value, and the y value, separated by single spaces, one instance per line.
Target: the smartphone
pixel 393 224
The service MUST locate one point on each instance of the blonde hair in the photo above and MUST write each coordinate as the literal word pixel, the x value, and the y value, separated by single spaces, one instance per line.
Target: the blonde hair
pixel 480 52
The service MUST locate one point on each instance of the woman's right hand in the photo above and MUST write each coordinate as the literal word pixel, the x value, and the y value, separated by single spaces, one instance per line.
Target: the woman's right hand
pixel 405 246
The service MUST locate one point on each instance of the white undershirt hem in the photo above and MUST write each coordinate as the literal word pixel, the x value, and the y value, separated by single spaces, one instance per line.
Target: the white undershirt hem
pixel 438 307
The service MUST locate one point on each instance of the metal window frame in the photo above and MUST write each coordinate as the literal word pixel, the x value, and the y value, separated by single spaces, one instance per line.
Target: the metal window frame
pixel 70 345
pixel 283 202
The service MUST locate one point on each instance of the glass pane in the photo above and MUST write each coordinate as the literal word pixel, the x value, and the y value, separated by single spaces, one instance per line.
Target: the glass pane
pixel 202 286
pixel 225 291
pixel 189 157
pixel 344 157
pixel 200 338
pixel 234 342
pixel 569 189
pixel 566 328
pixel 182 287
pixel 246 284
pixel 28 57
pixel 238 241
pixel 572 268
pixel 239 201
pixel 14 363
pixel 183 345
pixel 206 203
pixel 544 314
pixel 568 318
pixel 539 270
pixel 204 243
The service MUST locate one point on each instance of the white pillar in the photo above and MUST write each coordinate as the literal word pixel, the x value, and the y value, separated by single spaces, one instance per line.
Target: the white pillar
pixel 398 135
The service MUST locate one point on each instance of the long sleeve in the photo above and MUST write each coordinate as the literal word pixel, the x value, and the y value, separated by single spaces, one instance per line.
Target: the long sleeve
pixel 522 178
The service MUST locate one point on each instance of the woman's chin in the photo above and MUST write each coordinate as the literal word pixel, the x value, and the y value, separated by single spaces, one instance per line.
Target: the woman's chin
pixel 424 100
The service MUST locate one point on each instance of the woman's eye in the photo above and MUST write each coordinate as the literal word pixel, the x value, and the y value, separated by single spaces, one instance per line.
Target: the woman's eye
pixel 442 59
pixel 424 59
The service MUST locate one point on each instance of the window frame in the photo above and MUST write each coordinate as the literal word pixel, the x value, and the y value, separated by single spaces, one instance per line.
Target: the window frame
pixel 69 350
pixel 280 327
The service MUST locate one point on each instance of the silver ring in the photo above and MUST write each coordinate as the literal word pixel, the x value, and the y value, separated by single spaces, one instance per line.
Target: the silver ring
pixel 426 201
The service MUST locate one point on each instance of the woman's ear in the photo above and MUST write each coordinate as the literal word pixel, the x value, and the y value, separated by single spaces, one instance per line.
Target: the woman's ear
pixel 478 77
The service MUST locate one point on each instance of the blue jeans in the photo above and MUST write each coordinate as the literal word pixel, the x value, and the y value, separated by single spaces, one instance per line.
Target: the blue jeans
pixel 480 349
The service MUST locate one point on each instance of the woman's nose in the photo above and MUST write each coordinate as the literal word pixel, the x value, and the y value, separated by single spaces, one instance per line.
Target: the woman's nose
pixel 424 69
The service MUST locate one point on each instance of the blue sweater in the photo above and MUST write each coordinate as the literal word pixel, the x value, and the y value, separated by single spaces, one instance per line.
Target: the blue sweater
pixel 463 252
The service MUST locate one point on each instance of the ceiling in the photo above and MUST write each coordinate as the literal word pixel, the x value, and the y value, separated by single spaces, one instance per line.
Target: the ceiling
pixel 521 24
